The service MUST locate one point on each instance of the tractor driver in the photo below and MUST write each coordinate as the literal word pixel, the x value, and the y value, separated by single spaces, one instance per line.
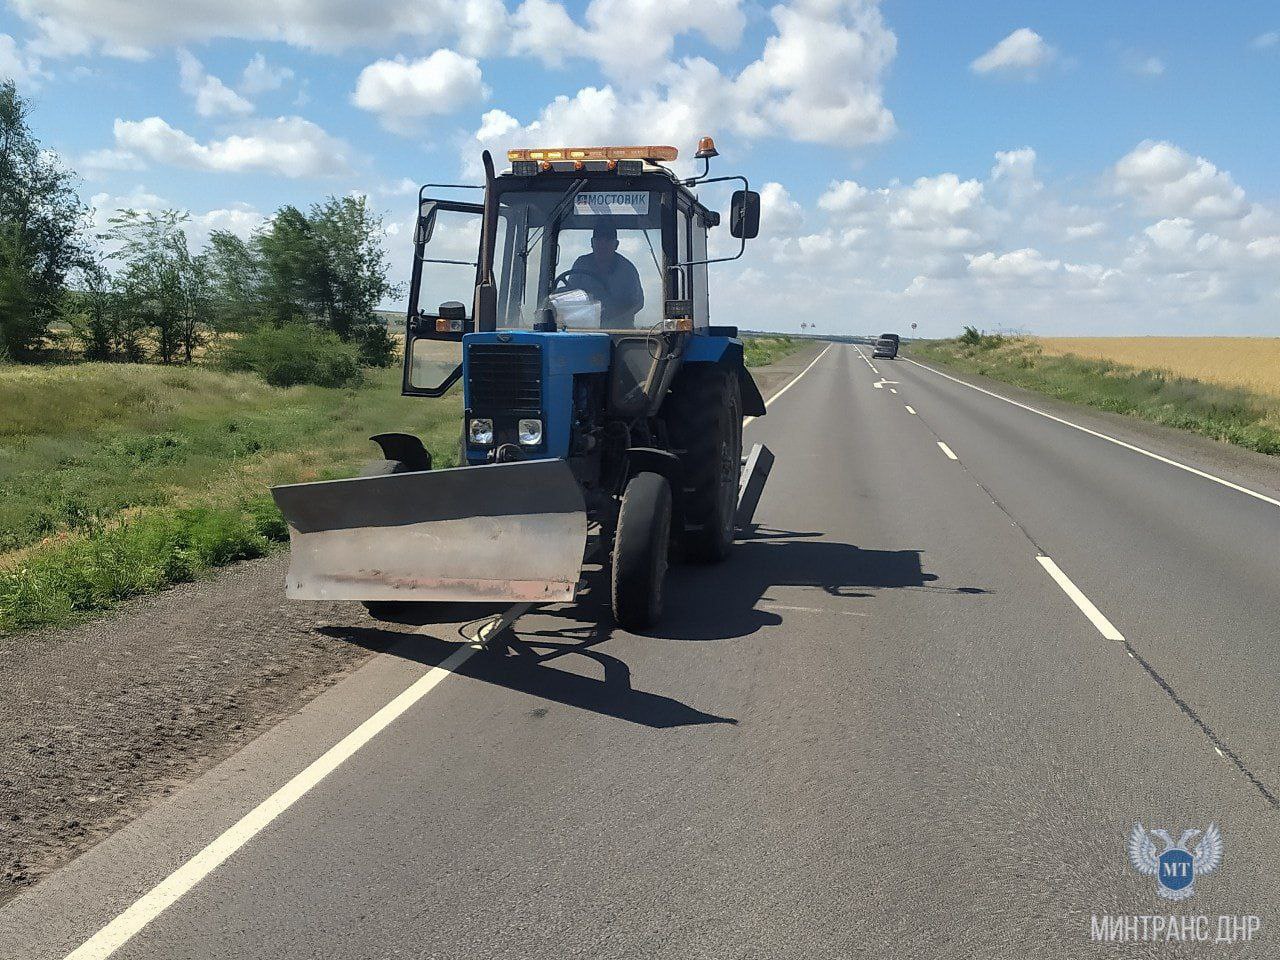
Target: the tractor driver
pixel 621 295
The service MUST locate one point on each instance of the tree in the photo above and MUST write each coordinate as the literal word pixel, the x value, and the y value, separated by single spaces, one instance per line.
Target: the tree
pixel 41 219
pixel 161 285
pixel 325 267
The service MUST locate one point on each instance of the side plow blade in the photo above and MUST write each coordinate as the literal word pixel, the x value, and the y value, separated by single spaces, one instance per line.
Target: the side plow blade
pixel 512 532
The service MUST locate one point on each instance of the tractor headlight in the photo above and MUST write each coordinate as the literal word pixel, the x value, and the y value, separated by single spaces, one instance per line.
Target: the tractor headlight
pixel 480 432
pixel 530 433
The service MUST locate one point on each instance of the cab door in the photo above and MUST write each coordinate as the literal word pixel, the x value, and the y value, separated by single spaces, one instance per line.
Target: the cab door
pixel 446 246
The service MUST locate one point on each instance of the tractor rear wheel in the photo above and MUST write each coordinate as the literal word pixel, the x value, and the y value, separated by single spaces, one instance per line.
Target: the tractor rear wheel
pixel 704 424
pixel 640 547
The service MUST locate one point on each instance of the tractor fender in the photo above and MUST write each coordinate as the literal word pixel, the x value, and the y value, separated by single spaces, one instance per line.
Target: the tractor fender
pixel 662 462
pixel 727 352
pixel 404 447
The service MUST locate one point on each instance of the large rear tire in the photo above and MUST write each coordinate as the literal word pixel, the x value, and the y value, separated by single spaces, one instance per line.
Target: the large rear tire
pixel 704 424
pixel 640 547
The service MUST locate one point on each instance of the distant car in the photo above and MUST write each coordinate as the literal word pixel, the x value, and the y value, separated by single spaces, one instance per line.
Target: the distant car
pixel 886 347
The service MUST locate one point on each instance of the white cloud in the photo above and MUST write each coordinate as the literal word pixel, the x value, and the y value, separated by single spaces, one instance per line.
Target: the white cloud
pixel 778 212
pixel 1085 231
pixel 1265 41
pixel 18 64
pixel 1143 66
pixel 844 196
pixel 626 38
pixel 212 97
pixel 261 77
pixel 400 91
pixel 1015 173
pixel 941 212
pixel 819 77
pixel 1023 51
pixel 97 163
pixel 134 27
pixel 1168 181
pixel 1027 264
pixel 818 80
pixel 285 146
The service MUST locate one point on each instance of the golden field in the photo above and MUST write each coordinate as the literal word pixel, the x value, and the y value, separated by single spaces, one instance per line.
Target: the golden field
pixel 1249 362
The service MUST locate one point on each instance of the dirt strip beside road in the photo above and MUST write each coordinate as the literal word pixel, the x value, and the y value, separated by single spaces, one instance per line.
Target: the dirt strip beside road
pixel 99 721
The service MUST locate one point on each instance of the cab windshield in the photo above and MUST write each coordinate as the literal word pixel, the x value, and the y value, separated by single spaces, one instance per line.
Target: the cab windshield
pixel 590 260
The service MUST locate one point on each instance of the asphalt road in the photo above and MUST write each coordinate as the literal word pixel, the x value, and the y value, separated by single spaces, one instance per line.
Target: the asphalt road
pixel 884 728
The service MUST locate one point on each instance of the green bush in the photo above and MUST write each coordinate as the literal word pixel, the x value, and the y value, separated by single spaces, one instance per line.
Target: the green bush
pixel 377 349
pixel 292 354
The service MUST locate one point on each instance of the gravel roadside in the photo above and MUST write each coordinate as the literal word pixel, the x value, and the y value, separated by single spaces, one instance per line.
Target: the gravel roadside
pixel 101 720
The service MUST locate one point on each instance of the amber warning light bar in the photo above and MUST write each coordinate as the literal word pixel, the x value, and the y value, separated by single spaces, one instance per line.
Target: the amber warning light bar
pixel 595 153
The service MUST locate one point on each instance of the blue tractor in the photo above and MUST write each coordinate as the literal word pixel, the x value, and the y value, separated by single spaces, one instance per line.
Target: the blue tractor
pixel 603 410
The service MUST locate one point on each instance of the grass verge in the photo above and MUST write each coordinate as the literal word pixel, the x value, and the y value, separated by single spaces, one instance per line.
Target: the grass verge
pixel 117 480
pixel 762 351
pixel 1229 414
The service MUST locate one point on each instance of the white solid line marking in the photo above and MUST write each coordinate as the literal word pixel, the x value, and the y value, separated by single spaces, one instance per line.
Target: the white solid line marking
pixel 947 450
pixel 1102 436
pixel 173 887
pixel 790 383
pixel 910 409
pixel 1105 626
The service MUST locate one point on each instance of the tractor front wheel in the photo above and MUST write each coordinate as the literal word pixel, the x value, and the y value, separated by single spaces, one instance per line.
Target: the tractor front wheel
pixel 640 547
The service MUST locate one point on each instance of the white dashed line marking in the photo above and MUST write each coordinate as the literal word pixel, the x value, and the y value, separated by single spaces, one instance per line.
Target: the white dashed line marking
pixel 1105 626
pixel 947 450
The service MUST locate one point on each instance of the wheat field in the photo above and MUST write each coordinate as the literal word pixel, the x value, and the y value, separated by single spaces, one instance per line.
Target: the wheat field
pixel 1249 362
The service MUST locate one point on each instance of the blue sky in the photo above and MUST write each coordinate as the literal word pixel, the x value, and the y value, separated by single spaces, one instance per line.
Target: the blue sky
pixel 1081 168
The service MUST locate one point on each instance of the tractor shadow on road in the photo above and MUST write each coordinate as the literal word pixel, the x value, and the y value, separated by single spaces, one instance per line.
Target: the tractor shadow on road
pixel 522 661
pixel 703 602
pixel 722 601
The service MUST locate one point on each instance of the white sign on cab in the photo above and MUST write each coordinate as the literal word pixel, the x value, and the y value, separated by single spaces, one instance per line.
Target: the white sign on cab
pixel 603 202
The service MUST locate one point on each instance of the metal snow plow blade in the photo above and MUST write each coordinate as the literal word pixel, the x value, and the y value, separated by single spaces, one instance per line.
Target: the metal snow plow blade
pixel 504 532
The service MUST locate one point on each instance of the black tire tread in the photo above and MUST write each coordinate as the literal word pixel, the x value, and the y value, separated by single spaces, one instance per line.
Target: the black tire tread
pixel 640 551
pixel 701 398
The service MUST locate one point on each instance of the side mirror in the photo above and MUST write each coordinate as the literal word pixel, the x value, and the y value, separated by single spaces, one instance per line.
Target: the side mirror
pixel 426 225
pixel 744 214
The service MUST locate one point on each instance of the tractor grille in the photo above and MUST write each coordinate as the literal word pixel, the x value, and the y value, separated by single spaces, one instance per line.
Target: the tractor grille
pixel 505 377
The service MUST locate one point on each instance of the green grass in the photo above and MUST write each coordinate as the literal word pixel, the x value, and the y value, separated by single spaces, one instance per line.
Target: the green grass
pixel 1229 414
pixel 119 479
pixel 762 351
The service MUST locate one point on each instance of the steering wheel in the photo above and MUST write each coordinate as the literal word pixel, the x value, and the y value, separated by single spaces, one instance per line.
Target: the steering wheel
pixel 595 288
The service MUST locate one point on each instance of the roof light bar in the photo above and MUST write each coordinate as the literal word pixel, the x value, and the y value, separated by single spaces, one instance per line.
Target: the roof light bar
pixel 595 153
